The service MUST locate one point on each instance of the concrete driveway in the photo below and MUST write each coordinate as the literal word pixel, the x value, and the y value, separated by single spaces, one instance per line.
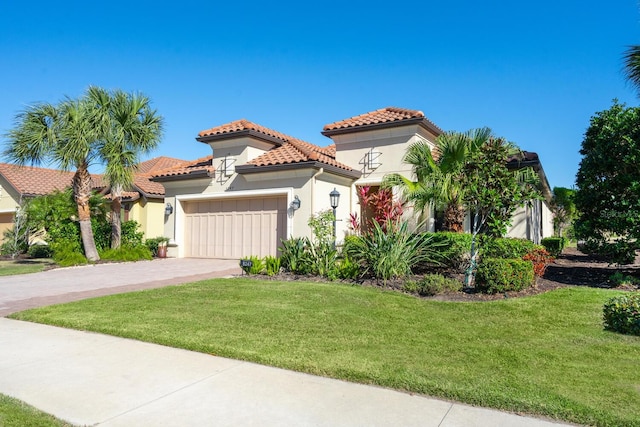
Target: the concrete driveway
pixel 75 283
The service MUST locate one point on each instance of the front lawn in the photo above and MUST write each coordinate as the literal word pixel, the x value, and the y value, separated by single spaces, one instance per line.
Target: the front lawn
pixel 10 267
pixel 14 413
pixel 547 354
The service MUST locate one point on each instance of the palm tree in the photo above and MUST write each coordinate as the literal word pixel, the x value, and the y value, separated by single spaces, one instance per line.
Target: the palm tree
pixel 632 65
pixel 64 134
pixel 131 128
pixel 439 175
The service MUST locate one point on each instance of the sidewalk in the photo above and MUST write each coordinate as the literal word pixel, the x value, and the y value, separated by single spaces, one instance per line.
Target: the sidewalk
pixel 92 379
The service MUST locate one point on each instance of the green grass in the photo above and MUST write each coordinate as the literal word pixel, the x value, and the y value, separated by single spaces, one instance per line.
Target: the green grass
pixel 14 413
pixel 546 354
pixel 22 266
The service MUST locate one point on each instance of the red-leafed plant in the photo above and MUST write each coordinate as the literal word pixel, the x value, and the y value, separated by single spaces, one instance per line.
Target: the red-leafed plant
pixel 379 206
pixel 540 258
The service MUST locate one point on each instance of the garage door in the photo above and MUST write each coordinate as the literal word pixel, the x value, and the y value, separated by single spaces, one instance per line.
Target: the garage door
pixel 235 228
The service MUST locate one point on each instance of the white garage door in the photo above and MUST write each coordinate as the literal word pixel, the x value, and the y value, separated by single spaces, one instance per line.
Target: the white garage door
pixel 235 228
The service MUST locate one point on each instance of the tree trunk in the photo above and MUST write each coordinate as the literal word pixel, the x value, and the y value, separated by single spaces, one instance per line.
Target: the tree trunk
pixel 116 223
pixel 82 191
pixel 453 218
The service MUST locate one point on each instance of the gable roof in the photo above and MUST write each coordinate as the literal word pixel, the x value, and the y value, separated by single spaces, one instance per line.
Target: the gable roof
pixel 31 181
pixel 200 168
pixel 239 128
pixel 142 179
pixel 379 119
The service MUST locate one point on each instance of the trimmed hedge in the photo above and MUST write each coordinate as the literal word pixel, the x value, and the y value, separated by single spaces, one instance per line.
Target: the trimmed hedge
pixel 496 275
pixel 506 247
pixel 622 314
pixel 452 248
pixel 554 245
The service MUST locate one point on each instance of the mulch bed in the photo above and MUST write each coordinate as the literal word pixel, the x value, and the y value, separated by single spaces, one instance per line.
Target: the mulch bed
pixel 572 268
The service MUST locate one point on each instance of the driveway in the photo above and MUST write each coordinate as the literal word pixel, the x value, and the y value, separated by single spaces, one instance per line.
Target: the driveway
pixel 75 283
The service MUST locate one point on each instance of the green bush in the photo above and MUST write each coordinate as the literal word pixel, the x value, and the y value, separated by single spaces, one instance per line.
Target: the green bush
pixel 272 265
pixel 295 256
pixel 347 269
pixel 554 245
pixel 622 314
pixel 505 247
pixel 40 251
pixel 391 252
pixel 452 249
pixel 434 284
pixel 67 253
pixel 410 286
pixel 127 253
pixel 153 243
pixel 257 265
pixel 496 275
pixel 620 279
pixel 324 258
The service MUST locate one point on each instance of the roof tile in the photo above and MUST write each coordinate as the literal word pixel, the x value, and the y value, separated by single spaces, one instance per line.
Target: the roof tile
pixel 378 117
pixel 241 126
pixel 204 164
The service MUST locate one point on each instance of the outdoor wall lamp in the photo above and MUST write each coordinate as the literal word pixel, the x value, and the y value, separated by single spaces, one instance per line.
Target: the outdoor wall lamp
pixel 295 203
pixel 334 199
pixel 168 209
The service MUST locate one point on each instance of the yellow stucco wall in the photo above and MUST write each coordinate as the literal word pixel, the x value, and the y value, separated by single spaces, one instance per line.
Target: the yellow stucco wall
pixel 149 213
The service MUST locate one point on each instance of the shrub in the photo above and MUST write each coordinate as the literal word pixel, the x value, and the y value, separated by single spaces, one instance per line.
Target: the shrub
pixel 257 265
pixel 347 269
pixel 540 258
pixel 622 314
pixel 67 253
pixel 127 253
pixel 496 275
pixel 40 251
pixel 153 243
pixel 619 279
pixel 390 252
pixel 434 284
pixel 453 249
pixel 323 258
pixel 272 265
pixel 410 286
pixel 554 245
pixel 295 256
pixel 506 247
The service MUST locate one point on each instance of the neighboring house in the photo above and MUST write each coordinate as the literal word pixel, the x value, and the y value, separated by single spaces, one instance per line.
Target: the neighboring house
pixel 261 186
pixel 144 203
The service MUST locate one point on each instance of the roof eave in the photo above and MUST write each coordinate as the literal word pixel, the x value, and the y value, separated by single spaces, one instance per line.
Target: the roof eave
pixel 239 134
pixel 191 175
pixel 392 124
pixel 249 169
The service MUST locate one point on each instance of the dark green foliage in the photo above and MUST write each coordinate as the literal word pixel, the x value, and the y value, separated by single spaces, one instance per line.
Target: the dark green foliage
pixel 153 243
pixel 434 284
pixel 622 314
pixel 272 265
pixel 130 234
pixel 40 251
pixel 506 247
pixel 497 275
pixel 452 248
pixel 257 265
pixel 347 269
pixel 608 180
pixel 554 245
pixel 295 256
pixel 390 253
pixel 494 191
pixel 67 253
pixel 564 210
pixel 127 253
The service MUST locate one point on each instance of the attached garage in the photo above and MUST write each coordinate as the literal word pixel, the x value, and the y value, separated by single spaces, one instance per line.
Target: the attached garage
pixel 235 228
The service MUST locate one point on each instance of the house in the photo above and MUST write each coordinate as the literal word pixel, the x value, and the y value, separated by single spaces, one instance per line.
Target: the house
pixel 144 202
pixel 260 186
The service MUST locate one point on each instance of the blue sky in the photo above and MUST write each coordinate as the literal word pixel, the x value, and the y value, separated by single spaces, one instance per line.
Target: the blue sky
pixel 534 72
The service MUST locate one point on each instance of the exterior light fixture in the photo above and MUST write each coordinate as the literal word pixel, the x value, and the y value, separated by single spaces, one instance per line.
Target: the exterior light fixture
pixel 168 209
pixel 334 199
pixel 295 203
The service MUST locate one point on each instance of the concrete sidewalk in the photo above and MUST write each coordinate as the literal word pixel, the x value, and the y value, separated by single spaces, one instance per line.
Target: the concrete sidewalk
pixel 92 379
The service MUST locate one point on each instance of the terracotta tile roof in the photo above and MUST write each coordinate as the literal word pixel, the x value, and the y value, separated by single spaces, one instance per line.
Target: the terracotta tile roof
pixel 240 127
pixel 296 151
pixel 34 181
pixel 381 117
pixel 203 165
pixel 142 180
